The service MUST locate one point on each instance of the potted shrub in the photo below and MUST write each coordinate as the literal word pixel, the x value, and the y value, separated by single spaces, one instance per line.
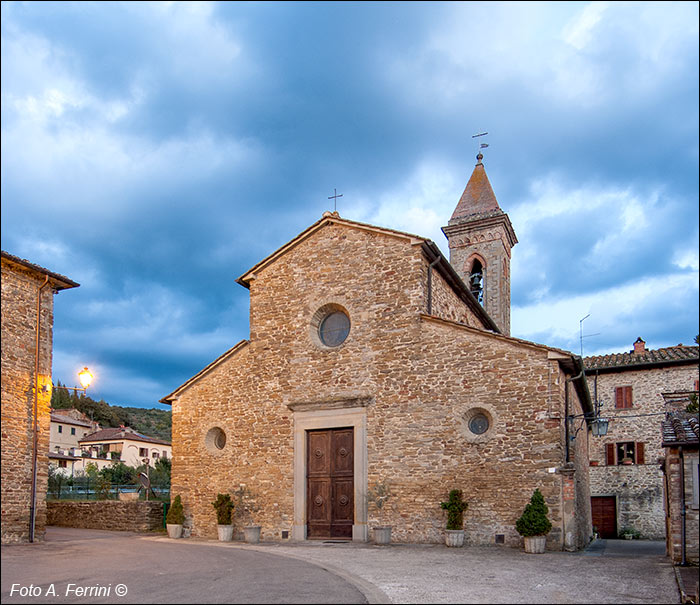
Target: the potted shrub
pixel 627 461
pixel 378 495
pixel 534 525
pixel 175 518
pixel 629 533
pixel 455 507
pixel 224 512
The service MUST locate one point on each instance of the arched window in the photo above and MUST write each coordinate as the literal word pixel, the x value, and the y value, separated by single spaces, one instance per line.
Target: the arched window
pixel 476 281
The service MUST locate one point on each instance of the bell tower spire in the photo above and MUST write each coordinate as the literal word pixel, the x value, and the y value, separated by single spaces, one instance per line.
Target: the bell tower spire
pixel 480 238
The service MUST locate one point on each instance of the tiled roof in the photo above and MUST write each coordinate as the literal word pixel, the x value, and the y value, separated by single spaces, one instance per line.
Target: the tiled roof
pixel 681 429
pixel 667 355
pixel 116 433
pixel 478 196
pixel 61 282
pixel 55 417
pixel 59 456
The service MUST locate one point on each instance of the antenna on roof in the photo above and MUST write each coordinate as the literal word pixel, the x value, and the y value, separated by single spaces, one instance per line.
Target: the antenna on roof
pixel 581 334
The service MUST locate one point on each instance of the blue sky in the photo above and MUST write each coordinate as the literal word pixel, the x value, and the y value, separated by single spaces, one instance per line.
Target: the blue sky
pixel 153 152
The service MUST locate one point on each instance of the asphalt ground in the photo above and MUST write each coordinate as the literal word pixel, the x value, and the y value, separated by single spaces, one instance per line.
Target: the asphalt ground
pixel 155 569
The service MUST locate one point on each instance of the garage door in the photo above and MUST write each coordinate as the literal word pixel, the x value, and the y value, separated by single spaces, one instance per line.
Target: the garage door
pixel 604 514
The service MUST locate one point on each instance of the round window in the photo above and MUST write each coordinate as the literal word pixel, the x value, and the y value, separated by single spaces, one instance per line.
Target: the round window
pixel 334 329
pixel 478 424
pixel 215 439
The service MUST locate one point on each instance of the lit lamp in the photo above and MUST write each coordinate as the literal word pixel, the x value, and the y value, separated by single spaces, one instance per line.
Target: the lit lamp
pixel 85 378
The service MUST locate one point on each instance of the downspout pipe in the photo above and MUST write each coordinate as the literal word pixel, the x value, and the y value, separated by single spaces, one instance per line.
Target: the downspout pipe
pixel 35 428
pixel 430 285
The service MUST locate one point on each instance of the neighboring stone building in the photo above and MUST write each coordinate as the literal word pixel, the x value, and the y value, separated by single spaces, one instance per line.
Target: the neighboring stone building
pixel 27 347
pixel 629 493
pixel 682 484
pixel 369 362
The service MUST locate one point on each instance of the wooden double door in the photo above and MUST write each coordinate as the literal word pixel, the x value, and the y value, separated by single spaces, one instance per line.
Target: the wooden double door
pixel 330 485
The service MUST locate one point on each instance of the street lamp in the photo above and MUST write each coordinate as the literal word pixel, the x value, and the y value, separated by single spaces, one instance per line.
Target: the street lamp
pixel 85 377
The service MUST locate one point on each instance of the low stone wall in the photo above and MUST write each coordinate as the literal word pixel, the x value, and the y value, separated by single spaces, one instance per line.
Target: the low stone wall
pixel 106 514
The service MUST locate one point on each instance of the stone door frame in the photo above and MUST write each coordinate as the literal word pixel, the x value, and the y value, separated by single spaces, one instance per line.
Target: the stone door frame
pixel 330 415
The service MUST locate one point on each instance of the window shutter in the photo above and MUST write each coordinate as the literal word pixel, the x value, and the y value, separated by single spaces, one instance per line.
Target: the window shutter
pixel 640 453
pixel 623 397
pixel 610 454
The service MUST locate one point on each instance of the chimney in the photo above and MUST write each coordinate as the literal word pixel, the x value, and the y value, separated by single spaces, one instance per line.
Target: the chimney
pixel 639 346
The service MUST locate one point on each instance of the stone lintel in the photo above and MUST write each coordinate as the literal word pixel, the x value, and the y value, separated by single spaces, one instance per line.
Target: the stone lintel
pixel 335 403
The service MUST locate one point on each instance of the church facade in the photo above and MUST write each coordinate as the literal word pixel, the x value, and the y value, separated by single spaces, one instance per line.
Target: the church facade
pixel 372 364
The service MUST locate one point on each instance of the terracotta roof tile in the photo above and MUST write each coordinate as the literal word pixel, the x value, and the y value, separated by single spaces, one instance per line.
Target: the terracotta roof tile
pixel 681 429
pixel 667 355
pixel 120 433
pixel 478 197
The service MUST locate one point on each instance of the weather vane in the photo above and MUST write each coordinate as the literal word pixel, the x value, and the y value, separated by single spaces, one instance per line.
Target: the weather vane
pixel 334 197
pixel 481 145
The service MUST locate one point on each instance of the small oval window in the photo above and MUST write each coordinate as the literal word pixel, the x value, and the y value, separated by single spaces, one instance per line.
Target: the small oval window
pixel 478 424
pixel 334 329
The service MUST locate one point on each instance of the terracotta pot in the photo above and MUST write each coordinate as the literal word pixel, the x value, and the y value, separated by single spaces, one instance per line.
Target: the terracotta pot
pixel 382 534
pixel 225 533
pixel 454 537
pixel 174 530
pixel 535 544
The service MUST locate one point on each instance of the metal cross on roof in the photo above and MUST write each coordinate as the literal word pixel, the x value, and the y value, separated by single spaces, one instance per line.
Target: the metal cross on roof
pixel 334 197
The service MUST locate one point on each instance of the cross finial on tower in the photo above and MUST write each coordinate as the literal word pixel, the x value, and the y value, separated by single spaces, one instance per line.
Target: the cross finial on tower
pixel 335 197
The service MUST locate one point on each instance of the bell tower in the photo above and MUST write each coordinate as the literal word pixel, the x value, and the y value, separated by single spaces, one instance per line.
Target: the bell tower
pixel 481 237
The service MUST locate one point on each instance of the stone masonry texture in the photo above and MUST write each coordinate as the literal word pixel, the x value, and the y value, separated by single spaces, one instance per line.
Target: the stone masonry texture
pixel 107 514
pixel 19 297
pixel 639 487
pixel 423 378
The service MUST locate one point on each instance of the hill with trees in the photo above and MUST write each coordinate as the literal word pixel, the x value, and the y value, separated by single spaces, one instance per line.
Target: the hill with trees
pixel 151 422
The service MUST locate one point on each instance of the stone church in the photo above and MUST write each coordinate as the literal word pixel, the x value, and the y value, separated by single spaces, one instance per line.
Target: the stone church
pixel 374 361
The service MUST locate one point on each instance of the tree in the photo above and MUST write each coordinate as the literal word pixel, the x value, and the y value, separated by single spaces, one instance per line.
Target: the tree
pixel 534 521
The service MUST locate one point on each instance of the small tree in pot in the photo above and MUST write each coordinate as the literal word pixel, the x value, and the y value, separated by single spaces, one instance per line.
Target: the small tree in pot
pixel 175 518
pixel 455 507
pixel 224 511
pixel 533 524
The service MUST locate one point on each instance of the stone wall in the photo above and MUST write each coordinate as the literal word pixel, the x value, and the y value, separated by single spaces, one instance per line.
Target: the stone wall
pixel 446 304
pixel 19 301
pixel 106 514
pixel 408 383
pixel 639 487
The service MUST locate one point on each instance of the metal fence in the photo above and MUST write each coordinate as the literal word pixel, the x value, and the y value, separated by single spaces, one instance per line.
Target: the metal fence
pixel 91 491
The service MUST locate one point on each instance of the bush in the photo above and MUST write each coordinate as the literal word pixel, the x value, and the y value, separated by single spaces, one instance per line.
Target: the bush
pixel 534 521
pixel 224 509
pixel 176 513
pixel 455 507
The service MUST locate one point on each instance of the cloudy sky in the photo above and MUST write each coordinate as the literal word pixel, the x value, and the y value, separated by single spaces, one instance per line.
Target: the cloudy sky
pixel 153 152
